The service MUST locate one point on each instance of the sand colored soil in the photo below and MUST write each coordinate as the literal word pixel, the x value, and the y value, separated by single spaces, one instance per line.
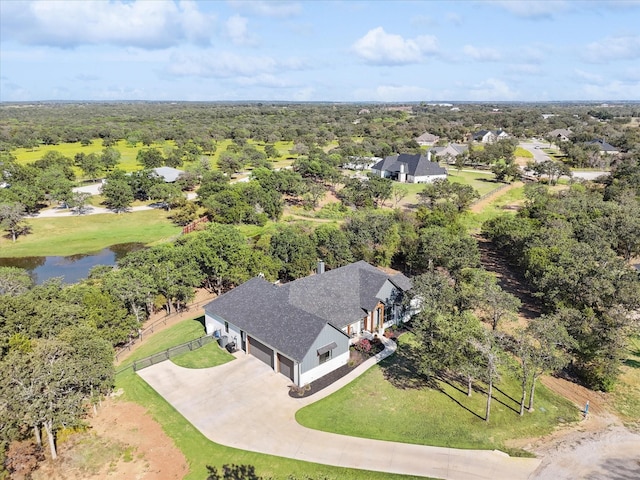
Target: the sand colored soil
pixel 124 442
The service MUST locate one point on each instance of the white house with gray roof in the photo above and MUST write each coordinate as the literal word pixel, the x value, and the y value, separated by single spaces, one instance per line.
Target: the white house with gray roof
pixel 303 329
pixel 408 168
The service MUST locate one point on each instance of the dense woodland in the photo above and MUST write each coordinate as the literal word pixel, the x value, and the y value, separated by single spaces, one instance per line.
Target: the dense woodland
pixel 573 246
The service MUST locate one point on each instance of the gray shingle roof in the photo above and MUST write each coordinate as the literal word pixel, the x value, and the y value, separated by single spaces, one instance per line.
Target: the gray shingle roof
pixel 290 317
pixel 604 146
pixel 416 165
pixel 169 174
pixel 261 309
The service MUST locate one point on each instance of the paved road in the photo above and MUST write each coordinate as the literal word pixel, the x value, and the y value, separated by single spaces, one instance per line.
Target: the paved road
pixel 535 147
pixel 244 404
pixel 94 189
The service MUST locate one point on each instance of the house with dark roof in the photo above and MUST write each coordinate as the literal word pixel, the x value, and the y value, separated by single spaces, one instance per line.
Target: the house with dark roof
pixel 408 168
pixel 604 147
pixel 303 329
pixel 489 136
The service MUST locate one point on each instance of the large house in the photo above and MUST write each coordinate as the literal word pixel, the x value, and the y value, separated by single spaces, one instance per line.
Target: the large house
pixel 407 168
pixel 168 174
pixel 561 134
pixel 427 139
pixel 303 329
pixel 450 152
pixel 489 136
pixel 604 147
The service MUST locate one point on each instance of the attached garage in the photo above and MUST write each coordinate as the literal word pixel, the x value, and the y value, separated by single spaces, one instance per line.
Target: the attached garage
pixel 286 367
pixel 261 351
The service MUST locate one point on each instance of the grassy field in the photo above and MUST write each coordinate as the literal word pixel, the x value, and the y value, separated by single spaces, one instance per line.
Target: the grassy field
pixel 626 394
pixel 480 180
pixel 521 152
pixel 200 451
pixel 499 206
pixel 90 233
pixel 129 153
pixel 389 402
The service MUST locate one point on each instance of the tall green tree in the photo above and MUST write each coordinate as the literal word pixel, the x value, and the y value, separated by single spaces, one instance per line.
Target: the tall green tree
pixel 12 218
pixel 294 248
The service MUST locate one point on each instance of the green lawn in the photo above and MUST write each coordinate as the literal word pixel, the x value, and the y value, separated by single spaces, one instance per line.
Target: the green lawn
pixel 127 160
pixel 89 233
pixel 389 402
pixel 482 181
pixel 198 450
pixel 473 221
pixel 626 393
pixel 521 152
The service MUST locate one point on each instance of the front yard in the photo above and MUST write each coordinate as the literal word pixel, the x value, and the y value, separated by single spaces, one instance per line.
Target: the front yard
pixel 391 402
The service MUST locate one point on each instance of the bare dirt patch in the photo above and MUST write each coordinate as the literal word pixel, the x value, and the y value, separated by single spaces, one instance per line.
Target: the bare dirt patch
pixel 123 442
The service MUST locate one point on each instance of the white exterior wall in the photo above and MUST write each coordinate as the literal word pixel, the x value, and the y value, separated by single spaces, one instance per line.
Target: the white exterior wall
pixel 216 323
pixel 425 178
pixel 322 370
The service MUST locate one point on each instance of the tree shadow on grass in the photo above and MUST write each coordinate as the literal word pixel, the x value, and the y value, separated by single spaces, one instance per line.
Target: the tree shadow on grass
pixel 629 362
pixel 400 370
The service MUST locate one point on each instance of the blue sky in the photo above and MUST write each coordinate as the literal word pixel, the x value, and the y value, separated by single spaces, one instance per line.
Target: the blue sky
pixel 394 51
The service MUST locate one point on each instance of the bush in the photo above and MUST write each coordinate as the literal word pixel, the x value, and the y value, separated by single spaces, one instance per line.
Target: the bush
pixel 363 345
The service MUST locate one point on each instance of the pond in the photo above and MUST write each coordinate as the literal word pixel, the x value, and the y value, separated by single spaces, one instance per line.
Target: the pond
pixel 72 268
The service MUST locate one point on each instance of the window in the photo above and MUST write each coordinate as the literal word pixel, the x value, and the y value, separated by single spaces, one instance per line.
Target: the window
pixel 324 357
pixel 226 327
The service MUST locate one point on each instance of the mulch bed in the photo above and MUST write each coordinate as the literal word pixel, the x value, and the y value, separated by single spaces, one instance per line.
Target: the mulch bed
pixel 355 359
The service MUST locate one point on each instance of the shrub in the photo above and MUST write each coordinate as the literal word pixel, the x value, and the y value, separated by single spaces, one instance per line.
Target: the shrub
pixel 363 345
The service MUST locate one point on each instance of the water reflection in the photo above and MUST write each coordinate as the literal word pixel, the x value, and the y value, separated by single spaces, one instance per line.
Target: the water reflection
pixel 72 268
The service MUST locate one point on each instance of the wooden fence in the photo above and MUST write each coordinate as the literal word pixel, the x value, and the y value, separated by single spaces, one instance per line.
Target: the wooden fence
pixel 192 226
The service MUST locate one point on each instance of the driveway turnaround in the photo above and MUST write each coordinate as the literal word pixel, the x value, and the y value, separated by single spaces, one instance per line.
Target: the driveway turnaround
pixel 246 405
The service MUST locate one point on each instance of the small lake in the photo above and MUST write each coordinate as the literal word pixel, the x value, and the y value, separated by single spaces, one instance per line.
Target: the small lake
pixel 72 268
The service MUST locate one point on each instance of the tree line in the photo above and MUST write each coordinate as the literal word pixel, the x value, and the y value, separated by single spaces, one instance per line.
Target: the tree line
pixel 574 249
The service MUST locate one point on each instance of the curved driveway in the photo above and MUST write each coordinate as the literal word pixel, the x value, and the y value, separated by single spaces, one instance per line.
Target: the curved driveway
pixel 246 405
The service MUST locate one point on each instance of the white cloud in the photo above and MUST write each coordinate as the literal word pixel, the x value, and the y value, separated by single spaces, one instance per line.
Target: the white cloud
pixel 613 48
pixel 524 69
pixel 140 23
pixel 590 78
pixel 213 64
pixel 381 48
pixel 271 8
pixel 482 54
pixel 237 31
pixel 492 89
pixel 533 8
pixel 454 18
pixel 612 90
pixel 393 93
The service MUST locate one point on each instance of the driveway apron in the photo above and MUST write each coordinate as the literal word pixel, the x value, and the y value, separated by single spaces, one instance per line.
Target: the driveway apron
pixel 246 405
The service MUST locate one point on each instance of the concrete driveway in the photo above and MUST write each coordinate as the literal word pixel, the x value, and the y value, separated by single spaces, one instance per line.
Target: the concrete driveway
pixel 244 404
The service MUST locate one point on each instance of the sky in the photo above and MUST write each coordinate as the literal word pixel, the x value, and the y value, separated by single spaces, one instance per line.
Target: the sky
pixel 339 51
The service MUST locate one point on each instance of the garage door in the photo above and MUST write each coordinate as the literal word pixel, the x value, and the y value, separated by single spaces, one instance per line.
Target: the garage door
pixel 261 351
pixel 286 366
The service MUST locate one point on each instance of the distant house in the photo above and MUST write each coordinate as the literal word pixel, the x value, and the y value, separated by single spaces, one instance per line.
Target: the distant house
pixel 168 174
pixel 427 139
pixel 604 147
pixel 361 163
pixel 450 152
pixel 489 136
pixel 407 168
pixel 561 134
pixel 303 329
